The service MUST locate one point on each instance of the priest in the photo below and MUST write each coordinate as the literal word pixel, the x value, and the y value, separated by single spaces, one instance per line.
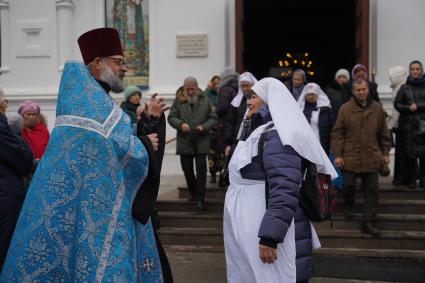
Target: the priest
pixel 76 223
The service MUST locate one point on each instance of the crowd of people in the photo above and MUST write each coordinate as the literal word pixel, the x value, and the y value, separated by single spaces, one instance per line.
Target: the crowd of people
pixel 78 204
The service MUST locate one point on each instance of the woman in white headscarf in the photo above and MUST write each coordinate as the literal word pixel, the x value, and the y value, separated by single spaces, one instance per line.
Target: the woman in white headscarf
pixel 260 242
pixel 246 81
pixel 317 109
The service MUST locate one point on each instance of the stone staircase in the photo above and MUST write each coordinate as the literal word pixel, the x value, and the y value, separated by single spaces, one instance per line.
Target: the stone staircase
pixel 346 253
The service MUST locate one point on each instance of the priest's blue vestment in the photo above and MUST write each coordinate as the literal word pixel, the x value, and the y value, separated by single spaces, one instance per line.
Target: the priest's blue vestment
pixel 76 223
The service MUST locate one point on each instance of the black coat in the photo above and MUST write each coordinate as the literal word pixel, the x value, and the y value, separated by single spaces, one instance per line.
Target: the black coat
pixel 144 202
pixel 16 161
pixel 337 95
pixel 229 117
pixel 411 145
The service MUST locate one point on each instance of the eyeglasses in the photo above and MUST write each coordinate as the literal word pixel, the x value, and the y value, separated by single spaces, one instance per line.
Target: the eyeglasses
pixel 6 101
pixel 120 62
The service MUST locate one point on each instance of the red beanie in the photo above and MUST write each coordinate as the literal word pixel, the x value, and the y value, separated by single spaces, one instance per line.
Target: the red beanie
pixel 101 42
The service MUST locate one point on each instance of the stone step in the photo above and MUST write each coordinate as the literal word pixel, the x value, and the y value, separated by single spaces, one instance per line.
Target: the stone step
pixel 190 219
pixel 384 193
pixel 370 264
pixel 173 205
pixel 392 206
pixel 405 240
pixel 390 222
pixel 191 236
pixel 193 248
pixel 210 192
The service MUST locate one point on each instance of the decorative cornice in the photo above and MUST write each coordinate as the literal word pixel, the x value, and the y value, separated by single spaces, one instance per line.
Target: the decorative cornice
pixel 65 4
pixel 4 4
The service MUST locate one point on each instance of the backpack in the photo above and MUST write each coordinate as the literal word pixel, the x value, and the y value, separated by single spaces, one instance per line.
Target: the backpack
pixel 317 194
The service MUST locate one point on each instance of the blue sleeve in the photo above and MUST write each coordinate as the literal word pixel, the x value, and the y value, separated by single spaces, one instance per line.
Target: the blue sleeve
pixel 282 165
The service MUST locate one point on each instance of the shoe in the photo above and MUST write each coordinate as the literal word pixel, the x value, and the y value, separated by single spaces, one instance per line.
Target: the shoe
pixel 191 198
pixel 213 179
pixel 200 206
pixel 412 185
pixel 369 229
pixel 348 215
pixel 399 182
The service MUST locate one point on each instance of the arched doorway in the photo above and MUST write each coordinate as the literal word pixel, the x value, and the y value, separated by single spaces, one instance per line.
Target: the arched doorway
pixel 326 35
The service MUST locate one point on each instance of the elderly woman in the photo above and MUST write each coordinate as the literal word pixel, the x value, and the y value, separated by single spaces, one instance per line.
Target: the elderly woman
pixel 34 132
pixel 410 103
pixel 317 109
pixel 337 91
pixel 296 84
pixel 359 71
pixel 271 243
pixel 132 98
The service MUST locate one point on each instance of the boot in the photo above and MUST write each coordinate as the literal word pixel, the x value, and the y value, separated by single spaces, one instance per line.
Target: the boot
pixel 200 206
pixel 367 228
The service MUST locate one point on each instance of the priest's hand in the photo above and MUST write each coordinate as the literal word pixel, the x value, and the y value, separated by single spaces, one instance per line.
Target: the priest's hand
pixel 156 106
pixel 267 254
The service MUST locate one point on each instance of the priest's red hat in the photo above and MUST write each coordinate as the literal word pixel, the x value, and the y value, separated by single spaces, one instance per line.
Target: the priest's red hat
pixel 101 42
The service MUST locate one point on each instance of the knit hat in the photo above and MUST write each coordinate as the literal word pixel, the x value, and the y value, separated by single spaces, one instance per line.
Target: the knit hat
pixel 342 72
pixel 131 90
pixel 2 97
pixel 101 42
pixel 27 106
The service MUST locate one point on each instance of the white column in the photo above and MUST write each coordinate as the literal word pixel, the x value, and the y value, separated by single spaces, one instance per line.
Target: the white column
pixel 64 10
pixel 4 24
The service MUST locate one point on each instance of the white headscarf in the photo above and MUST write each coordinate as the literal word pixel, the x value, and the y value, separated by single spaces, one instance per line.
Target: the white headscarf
pixel 291 125
pixel 244 77
pixel 322 98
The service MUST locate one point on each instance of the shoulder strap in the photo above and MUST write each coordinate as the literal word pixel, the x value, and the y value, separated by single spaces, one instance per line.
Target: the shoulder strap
pixel 261 144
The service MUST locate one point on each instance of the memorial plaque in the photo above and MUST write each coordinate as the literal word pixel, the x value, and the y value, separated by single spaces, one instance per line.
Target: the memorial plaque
pixel 192 45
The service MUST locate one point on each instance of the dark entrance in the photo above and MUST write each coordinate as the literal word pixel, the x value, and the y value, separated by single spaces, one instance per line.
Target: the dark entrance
pixel 317 36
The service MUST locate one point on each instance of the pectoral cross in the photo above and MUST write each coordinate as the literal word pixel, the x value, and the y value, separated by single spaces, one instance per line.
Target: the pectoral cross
pixel 148 264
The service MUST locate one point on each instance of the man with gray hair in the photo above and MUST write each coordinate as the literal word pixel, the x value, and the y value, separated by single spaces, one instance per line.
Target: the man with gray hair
pixel 193 117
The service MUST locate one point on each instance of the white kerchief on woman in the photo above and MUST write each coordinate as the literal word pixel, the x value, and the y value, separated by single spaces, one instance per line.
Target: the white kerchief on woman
pixel 322 98
pixel 291 124
pixel 245 77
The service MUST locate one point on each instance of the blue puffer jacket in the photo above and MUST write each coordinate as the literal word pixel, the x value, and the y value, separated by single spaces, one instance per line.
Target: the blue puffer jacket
pixel 283 167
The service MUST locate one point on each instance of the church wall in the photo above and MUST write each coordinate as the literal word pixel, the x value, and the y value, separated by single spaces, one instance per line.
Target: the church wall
pixel 397 36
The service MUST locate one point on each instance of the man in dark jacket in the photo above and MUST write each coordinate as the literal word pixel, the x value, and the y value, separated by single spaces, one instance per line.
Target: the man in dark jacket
pixel 15 162
pixel 193 116
pixel 361 143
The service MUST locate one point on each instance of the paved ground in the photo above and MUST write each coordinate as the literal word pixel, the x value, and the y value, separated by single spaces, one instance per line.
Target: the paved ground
pixel 194 267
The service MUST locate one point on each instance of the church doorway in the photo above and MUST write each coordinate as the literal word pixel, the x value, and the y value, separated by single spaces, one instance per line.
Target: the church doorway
pixel 275 37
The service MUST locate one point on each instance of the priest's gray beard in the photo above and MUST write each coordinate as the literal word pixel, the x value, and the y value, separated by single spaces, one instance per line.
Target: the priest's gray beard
pixel 113 80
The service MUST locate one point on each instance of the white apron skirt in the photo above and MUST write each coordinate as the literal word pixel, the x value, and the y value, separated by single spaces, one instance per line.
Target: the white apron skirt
pixel 244 209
